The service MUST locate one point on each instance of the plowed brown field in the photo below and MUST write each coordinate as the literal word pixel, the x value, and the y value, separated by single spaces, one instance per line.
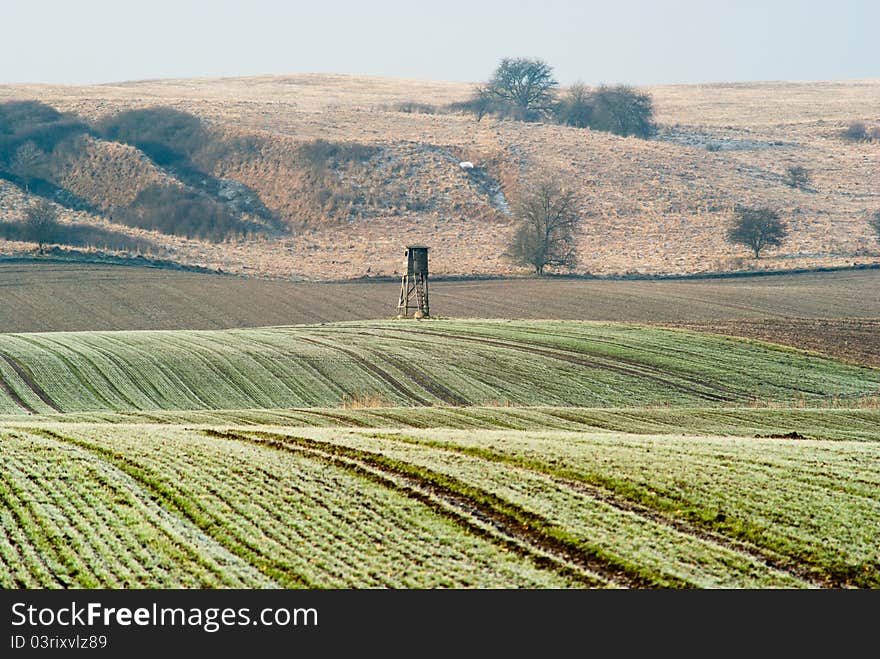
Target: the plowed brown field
pixel 834 313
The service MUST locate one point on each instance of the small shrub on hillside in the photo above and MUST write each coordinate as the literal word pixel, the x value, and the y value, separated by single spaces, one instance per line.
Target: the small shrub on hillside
pixel 414 107
pixel 623 111
pixel 797 177
pixel 856 131
pixel 874 223
pixel 576 107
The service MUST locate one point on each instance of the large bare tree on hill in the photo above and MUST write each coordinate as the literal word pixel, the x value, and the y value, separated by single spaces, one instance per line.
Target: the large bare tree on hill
pixel 41 223
pixel 525 84
pixel 548 219
pixel 756 228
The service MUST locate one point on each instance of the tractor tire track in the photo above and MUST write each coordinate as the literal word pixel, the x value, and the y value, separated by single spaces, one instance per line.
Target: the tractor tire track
pixel 615 500
pixel 369 366
pixel 590 363
pixel 501 522
pixel 29 381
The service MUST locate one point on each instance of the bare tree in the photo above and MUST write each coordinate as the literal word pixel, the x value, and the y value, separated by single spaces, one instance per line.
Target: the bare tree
pixel 756 228
pixel 548 219
pixel 576 108
pixel 30 163
pixel 41 223
pixel 525 84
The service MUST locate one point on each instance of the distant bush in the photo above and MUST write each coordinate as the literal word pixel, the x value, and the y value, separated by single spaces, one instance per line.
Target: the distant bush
pixel 797 177
pixel 576 107
pixel 619 109
pixel 856 131
pixel 414 107
pixel 623 111
pixel 182 212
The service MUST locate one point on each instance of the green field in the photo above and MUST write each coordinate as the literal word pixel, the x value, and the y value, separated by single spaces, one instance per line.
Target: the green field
pixel 102 505
pixel 444 453
pixel 437 363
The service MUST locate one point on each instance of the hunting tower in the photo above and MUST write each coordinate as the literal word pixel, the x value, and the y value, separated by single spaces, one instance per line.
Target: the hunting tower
pixel 414 285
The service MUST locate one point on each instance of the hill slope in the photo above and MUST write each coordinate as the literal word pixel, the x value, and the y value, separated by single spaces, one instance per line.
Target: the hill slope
pixel 427 364
pixel 653 206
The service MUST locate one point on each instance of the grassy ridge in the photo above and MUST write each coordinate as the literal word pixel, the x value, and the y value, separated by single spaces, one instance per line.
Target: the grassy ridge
pixel 437 363
pixel 101 505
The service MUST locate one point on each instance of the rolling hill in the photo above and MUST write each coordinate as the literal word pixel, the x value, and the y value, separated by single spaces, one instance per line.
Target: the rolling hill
pixel 438 454
pixel 327 177
pixel 435 363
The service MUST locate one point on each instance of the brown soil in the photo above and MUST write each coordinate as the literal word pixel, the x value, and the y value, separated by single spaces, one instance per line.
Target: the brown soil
pixel 851 339
pixel 57 296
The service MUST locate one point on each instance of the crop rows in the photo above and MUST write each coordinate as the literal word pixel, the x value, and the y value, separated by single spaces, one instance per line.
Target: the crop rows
pixel 100 505
pixel 441 363
pixel 809 423
pixel 70 520
pixel 805 502
pixel 288 519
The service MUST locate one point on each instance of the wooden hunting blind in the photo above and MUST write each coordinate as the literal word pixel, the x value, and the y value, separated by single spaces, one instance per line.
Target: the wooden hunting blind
pixel 414 285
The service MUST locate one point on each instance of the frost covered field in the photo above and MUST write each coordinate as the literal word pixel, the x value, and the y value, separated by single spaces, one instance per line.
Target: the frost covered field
pixel 445 453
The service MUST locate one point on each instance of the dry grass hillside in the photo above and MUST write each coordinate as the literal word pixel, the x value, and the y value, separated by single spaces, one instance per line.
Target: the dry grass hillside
pixel 654 206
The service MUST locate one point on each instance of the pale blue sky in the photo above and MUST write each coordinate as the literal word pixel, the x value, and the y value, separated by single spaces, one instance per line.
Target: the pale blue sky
pixel 614 41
